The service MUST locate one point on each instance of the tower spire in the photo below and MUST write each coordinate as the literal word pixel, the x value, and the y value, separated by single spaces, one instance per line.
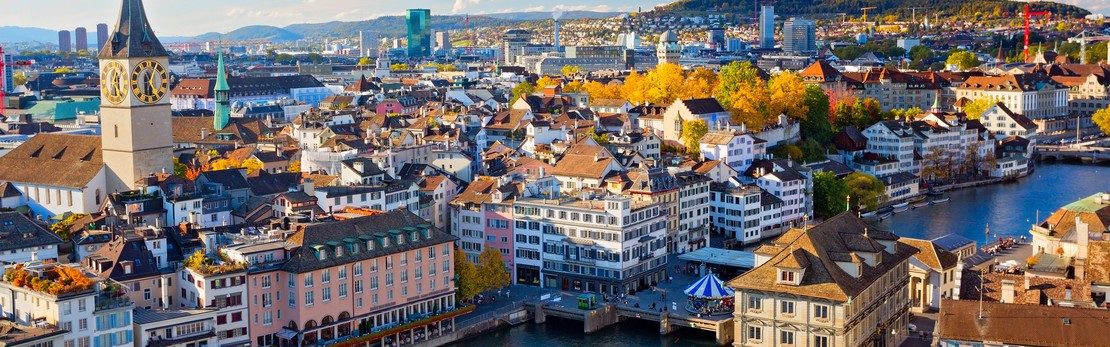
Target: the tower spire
pixel 133 36
pixel 223 101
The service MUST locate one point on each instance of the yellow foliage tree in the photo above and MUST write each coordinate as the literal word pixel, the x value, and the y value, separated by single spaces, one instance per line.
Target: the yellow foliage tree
pixel 574 87
pixel 633 88
pixel 786 94
pixel 975 108
pixel 665 83
pixel 749 102
pixel 252 165
pixel 295 166
pixel 700 83
pixel 596 90
pixel 545 81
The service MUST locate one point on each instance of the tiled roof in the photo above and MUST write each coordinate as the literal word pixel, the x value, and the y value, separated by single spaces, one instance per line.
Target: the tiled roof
pixel 70 161
pixel 578 163
pixel 18 232
pixel 1098 262
pixel 843 233
pixel 1025 325
pixel 931 255
pixel 130 248
pixel 1041 289
pixel 703 105
pixel 328 235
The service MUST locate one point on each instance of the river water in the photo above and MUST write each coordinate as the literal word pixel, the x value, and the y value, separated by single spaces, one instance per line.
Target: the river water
pixel 1009 209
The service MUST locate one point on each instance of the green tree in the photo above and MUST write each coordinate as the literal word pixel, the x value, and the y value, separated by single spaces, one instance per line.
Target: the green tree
pixel 601 139
pixel 788 152
pixel 963 59
pixel 284 59
pixel 571 70
pixel 829 194
pixel 848 52
pixel 467 282
pixel 865 190
pixel 1102 119
pixel 975 108
pixel 816 124
pixel 733 77
pixel 524 88
pixel 921 53
pixel 19 78
pixel 61 228
pixel 315 58
pixel 692 131
pixel 492 272
pixel 179 168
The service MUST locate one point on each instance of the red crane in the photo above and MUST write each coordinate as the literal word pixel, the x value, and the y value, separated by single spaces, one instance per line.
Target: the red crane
pixel 1029 15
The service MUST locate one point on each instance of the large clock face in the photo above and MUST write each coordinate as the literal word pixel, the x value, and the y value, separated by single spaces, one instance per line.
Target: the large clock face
pixel 113 82
pixel 149 81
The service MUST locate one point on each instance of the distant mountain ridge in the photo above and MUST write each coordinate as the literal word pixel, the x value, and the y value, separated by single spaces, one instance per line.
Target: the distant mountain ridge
pixel 387 26
pixel 852 7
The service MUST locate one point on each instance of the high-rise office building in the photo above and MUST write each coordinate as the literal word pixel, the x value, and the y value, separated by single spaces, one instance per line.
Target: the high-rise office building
pixel 368 43
pixel 420 34
pixel 799 36
pixel 8 83
pixel 716 38
pixel 443 41
pixel 81 36
pixel 101 35
pixel 767 27
pixel 65 43
pixel 515 40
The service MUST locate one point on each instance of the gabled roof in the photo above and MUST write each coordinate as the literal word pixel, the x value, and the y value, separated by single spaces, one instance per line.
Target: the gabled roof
pixel 1021 120
pixel 231 179
pixel 304 258
pixel 702 106
pixel 18 232
pixel 823 278
pixel 931 255
pixel 123 248
pixel 71 161
pixel 1026 325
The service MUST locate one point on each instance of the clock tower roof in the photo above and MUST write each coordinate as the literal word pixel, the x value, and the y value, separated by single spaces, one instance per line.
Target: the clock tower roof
pixel 133 36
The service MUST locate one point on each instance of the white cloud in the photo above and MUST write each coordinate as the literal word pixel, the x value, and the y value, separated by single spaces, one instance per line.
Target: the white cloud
pixel 461 5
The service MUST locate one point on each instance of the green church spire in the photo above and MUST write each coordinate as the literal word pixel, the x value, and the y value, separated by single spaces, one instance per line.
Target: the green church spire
pixel 223 100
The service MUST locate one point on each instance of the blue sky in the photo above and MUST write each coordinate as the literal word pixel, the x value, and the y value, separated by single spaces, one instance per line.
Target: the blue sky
pixel 192 17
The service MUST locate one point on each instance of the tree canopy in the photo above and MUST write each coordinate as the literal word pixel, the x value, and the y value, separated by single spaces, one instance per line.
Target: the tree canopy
pixel 692 132
pixel 467 280
pixel 963 59
pixel 1102 119
pixel 829 194
pixel 866 190
pixel 492 273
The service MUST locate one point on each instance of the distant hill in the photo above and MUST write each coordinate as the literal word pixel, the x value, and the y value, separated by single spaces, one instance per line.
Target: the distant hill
pixel 547 15
pixel 253 32
pixel 393 26
pixel 852 7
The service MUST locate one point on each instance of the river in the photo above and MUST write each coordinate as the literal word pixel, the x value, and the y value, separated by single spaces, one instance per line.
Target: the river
pixel 1009 209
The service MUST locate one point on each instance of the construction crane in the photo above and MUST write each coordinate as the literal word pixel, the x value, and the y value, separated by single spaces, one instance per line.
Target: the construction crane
pixel 1085 37
pixel 1029 15
pixel 864 9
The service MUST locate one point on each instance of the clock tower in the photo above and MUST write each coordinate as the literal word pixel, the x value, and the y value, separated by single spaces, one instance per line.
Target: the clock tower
pixel 136 130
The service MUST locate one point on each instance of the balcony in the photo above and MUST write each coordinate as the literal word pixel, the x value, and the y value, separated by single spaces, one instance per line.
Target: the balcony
pixel 108 301
pixel 181 340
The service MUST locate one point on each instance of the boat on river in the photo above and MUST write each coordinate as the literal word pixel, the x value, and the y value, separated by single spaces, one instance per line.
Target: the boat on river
pixel 904 204
pixel 940 200
pixel 901 209
pixel 921 204
pixel 885 215
pixel 869 214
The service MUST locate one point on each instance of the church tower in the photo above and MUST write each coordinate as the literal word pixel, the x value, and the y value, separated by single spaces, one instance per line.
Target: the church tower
pixel 668 50
pixel 136 134
pixel 223 98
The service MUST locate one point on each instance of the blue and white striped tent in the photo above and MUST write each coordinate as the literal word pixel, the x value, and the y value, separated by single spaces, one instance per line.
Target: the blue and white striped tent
pixel 709 287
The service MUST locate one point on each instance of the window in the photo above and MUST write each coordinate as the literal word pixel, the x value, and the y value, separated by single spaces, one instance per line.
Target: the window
pixel 786 276
pixel 374 283
pixel 820 341
pixel 342 290
pixel 821 312
pixel 787 307
pixel 308 280
pixel 266 281
pixel 358 269
pixel 267 318
pixel 325 294
pixel 754 303
pixel 358 286
pixel 325 276
pixel 309 298
pixel 342 272
pixel 786 338
pixel 755 333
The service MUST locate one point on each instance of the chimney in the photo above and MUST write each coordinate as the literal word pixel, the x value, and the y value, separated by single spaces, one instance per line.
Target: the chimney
pixel 308 187
pixel 203 133
pixel 1026 282
pixel 1067 292
pixel 1008 293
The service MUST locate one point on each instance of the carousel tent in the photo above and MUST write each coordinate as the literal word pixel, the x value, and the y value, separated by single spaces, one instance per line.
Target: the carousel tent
pixel 709 286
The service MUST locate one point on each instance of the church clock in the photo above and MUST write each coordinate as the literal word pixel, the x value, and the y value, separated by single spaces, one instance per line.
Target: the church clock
pixel 149 81
pixel 113 82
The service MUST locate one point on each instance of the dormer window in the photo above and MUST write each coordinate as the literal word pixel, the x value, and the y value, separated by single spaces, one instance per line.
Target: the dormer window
pixel 788 277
